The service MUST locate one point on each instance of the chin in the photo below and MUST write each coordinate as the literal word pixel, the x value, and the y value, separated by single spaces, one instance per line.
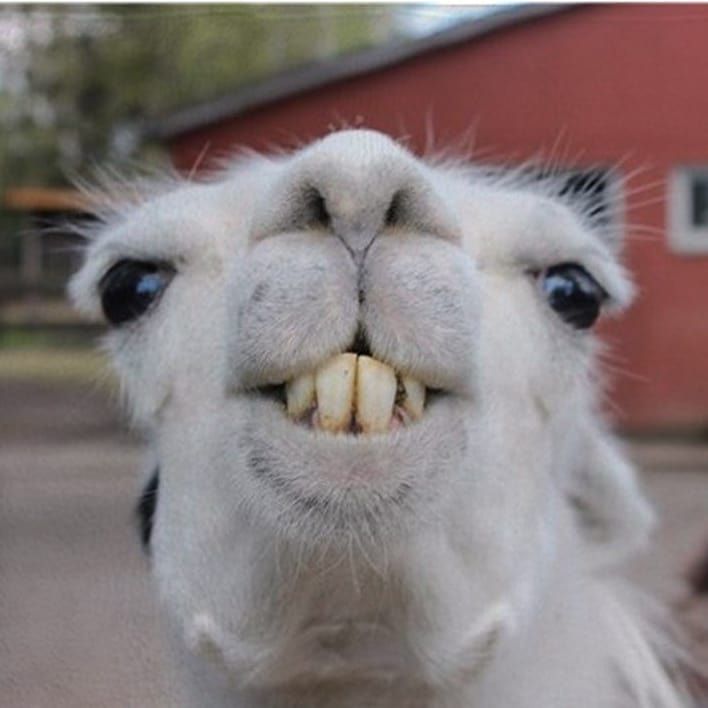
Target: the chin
pixel 324 486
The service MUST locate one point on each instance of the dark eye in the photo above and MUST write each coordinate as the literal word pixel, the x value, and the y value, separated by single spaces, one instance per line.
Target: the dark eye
pixel 130 287
pixel 573 293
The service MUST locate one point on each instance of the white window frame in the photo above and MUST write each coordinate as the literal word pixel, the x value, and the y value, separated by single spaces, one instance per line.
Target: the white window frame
pixel 683 236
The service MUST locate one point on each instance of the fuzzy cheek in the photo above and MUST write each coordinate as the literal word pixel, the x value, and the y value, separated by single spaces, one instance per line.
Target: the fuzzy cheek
pixel 157 356
pixel 528 356
pixel 143 376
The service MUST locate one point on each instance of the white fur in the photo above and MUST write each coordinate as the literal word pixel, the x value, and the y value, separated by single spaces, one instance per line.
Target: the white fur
pixel 464 561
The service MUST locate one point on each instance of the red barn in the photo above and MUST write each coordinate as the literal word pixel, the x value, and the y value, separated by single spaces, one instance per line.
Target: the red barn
pixel 624 86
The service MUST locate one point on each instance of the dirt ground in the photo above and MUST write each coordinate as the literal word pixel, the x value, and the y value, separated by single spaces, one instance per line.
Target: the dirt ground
pixel 78 622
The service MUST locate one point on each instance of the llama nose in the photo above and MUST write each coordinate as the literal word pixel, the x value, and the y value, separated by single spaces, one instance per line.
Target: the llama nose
pixel 354 216
pixel 355 185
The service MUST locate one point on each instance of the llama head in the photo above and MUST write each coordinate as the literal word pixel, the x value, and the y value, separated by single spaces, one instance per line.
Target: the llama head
pixel 370 383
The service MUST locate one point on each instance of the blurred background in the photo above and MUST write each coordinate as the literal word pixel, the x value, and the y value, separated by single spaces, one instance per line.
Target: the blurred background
pixel 610 97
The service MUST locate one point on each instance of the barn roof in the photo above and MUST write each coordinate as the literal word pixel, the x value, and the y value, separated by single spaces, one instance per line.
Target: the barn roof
pixel 316 74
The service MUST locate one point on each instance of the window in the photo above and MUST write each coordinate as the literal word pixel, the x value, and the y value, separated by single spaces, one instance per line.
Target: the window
pixel 688 209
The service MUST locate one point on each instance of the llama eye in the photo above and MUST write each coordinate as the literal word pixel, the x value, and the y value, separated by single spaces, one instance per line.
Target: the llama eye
pixel 130 287
pixel 573 293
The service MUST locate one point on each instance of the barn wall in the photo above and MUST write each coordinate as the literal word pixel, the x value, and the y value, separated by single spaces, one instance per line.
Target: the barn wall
pixel 620 84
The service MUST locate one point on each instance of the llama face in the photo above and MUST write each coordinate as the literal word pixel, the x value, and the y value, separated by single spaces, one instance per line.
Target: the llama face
pixel 349 353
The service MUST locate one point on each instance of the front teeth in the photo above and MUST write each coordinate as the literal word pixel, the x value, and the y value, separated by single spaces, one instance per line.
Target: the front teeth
pixel 354 393
pixel 334 384
pixel 375 395
pixel 300 395
pixel 414 400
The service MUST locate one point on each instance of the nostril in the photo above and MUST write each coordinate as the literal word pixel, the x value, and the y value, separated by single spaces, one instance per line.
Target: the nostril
pixel 316 210
pixel 394 213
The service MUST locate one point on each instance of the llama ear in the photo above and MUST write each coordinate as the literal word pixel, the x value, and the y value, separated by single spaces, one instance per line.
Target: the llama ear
pixel 612 512
pixel 595 195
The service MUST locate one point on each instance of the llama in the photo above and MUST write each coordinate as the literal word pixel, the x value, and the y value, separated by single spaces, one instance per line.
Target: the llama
pixel 371 391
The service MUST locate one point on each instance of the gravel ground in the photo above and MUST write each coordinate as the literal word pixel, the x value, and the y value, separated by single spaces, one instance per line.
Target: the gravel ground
pixel 79 627
pixel 79 624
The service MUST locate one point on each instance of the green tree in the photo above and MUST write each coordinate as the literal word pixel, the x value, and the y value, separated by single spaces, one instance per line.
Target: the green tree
pixel 77 82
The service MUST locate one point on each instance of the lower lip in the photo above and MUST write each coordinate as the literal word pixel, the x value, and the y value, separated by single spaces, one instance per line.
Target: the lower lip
pixel 314 474
pixel 270 418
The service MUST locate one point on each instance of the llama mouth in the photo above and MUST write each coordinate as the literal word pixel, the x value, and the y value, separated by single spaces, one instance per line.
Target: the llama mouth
pixel 354 394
